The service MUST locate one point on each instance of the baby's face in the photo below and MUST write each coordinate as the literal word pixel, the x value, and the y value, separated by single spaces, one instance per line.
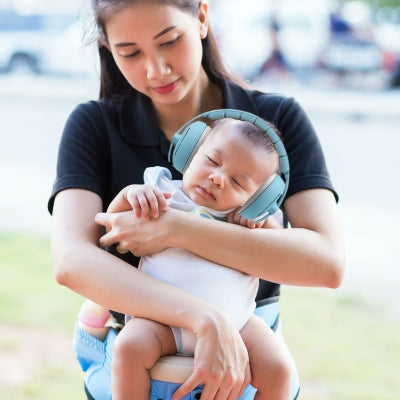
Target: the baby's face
pixel 227 169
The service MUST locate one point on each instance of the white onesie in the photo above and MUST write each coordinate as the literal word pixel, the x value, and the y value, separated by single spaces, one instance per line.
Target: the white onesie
pixel 231 290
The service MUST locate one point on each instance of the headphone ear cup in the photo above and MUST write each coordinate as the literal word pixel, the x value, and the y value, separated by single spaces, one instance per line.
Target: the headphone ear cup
pixel 265 201
pixel 184 145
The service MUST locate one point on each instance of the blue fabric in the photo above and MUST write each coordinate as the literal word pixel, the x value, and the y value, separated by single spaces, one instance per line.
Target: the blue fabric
pixel 95 357
pixel 164 390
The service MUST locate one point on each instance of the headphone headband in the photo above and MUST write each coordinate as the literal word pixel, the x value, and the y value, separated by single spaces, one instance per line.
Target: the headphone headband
pixel 190 136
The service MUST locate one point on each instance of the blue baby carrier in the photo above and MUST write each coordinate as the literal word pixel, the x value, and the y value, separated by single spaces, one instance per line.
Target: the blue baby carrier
pixel 95 357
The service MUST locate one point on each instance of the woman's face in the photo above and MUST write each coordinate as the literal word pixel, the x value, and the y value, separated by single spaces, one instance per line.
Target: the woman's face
pixel 158 48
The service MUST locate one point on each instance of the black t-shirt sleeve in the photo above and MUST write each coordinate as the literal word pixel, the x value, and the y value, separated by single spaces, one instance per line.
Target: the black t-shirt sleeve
pixel 308 168
pixel 307 164
pixel 81 156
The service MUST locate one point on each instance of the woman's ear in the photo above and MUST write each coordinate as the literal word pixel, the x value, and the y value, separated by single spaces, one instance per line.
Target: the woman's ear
pixel 203 18
pixel 103 42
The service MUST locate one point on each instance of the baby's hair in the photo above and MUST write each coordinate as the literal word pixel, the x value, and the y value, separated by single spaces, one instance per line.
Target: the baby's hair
pixel 253 133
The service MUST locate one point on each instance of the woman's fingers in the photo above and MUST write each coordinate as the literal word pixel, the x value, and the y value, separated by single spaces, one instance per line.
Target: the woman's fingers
pixel 222 387
pixel 121 250
pixel 246 381
pixel 188 386
pixel 233 385
pixel 103 219
pixel 222 368
pixel 110 221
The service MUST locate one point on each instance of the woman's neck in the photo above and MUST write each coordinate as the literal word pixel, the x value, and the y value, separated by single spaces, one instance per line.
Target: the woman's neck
pixel 204 97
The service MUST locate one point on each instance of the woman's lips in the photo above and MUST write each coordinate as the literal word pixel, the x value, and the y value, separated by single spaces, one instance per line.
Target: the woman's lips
pixel 166 89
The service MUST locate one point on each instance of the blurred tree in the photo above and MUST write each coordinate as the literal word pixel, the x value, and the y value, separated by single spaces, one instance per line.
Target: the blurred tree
pixel 379 3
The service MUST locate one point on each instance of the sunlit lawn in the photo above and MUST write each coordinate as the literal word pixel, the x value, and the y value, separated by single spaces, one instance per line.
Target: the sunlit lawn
pixel 346 348
pixel 31 301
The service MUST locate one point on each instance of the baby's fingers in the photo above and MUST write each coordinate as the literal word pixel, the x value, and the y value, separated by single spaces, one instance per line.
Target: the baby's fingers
pixel 141 205
pixel 235 218
pixel 162 200
pixel 153 203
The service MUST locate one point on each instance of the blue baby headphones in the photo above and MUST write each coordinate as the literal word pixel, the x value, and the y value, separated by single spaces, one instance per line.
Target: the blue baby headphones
pixel 269 197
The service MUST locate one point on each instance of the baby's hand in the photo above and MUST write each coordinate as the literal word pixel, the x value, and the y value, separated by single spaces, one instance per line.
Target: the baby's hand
pixel 235 218
pixel 147 201
pixel 273 222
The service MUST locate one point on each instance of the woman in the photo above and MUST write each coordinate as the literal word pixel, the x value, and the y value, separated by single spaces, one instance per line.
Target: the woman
pixel 159 68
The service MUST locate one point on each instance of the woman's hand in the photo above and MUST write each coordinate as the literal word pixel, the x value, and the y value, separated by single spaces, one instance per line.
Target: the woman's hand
pixel 221 363
pixel 139 236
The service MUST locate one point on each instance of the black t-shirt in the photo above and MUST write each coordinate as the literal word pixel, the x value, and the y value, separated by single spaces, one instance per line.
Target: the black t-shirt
pixel 106 145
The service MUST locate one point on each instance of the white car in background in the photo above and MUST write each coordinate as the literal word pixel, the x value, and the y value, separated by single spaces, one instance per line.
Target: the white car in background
pixel 43 43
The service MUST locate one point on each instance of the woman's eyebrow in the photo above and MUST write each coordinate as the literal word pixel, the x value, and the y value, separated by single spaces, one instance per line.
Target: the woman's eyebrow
pixel 164 31
pixel 159 34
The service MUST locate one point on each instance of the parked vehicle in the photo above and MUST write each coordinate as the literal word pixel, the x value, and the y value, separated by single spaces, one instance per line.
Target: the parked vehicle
pixel 387 35
pixel 42 43
pixel 348 53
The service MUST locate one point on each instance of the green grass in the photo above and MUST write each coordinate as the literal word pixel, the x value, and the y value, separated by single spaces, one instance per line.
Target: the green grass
pixel 32 302
pixel 54 384
pixel 346 347
pixel 29 295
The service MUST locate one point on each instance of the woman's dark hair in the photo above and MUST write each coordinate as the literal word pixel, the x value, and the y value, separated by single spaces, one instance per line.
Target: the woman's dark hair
pixel 113 83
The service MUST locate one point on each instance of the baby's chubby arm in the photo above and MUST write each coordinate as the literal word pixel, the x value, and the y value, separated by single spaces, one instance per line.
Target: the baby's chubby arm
pixel 146 201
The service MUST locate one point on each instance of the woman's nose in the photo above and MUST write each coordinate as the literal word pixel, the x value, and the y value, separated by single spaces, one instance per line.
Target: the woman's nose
pixel 157 68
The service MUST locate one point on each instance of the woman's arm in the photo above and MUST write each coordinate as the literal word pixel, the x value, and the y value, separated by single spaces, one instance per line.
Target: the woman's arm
pixel 309 254
pixel 90 271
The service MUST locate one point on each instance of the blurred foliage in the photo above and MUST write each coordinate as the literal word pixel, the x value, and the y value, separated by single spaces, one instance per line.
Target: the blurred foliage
pixel 382 3
pixel 345 346
pixel 29 284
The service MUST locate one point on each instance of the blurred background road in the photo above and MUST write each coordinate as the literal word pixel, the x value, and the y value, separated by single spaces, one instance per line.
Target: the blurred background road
pixel 340 60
